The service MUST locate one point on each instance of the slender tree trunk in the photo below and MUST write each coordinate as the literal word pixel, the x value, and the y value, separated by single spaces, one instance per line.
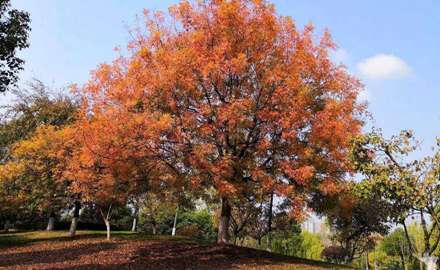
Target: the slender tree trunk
pixel 269 223
pixel 154 228
pixel 51 222
pixel 7 225
pixel 75 218
pixel 173 233
pixel 134 226
pixel 223 226
pixel 135 217
pixel 375 263
pixel 367 261
pixel 106 219
pixel 402 259
pixel 107 226
pixel 402 256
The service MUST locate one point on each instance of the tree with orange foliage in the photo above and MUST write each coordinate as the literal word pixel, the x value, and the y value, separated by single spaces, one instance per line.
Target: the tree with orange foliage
pixel 30 180
pixel 111 162
pixel 245 102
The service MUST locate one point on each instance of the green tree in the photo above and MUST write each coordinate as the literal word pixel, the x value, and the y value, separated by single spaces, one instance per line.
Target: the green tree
pixel 311 246
pixel 14 36
pixel 357 219
pixel 410 186
pixel 198 224
pixel 396 245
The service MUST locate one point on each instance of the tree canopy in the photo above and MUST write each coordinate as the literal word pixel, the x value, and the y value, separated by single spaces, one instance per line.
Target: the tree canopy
pixel 231 96
pixel 14 36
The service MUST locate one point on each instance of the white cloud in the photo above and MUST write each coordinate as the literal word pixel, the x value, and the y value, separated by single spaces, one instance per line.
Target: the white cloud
pixel 383 67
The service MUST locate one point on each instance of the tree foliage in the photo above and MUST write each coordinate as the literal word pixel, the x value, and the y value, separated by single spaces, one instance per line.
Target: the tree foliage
pixel 14 36
pixel 410 186
pixel 226 95
pixel 32 107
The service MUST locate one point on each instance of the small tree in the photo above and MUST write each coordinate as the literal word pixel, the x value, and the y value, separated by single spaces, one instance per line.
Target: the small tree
pixel 335 254
pixel 31 173
pixel 356 220
pixel 395 244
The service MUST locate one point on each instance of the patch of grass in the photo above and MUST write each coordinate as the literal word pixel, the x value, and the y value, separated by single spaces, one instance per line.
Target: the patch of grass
pixel 22 238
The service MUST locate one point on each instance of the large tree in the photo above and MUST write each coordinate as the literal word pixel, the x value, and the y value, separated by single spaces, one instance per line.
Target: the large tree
pixel 14 35
pixel 247 102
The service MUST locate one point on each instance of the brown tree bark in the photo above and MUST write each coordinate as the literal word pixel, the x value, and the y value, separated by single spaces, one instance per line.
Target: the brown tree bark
pixel 75 218
pixel 269 223
pixel 225 219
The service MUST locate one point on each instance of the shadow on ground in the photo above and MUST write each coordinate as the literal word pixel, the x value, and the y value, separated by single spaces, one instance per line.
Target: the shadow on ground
pixel 92 252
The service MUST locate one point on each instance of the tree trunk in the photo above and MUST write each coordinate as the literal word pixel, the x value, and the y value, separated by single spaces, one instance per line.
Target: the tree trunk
pixel 107 226
pixel 367 260
pixel 51 222
pixel 75 218
pixel 7 225
pixel 402 256
pixel 173 233
pixel 154 229
pixel 223 226
pixel 431 262
pixel 269 223
pixel 135 217
pixel 134 226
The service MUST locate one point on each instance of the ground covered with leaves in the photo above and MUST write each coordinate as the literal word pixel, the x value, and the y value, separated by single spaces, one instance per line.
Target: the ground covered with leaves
pixel 90 251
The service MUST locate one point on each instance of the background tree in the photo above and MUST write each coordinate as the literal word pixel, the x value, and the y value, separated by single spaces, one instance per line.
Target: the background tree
pixel 157 211
pixel 411 186
pixel 35 107
pixel 311 246
pixel 14 35
pixel 31 174
pixel 356 220
pixel 395 244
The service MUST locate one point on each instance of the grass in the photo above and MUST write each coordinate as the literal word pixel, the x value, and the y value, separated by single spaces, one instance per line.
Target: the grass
pixel 131 251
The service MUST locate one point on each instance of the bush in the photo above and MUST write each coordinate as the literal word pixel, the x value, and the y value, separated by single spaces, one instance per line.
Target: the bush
pixel 197 224
pixel 335 254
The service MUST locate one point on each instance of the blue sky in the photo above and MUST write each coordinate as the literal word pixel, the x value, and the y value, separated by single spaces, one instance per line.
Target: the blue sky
pixel 392 46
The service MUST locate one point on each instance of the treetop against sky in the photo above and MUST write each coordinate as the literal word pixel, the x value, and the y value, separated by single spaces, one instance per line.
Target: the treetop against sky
pixel 395 57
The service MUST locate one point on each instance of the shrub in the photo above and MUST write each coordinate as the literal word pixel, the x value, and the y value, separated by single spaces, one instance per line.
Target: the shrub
pixel 335 254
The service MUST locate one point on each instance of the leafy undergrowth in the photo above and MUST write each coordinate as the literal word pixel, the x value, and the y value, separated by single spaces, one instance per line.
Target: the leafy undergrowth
pixel 90 251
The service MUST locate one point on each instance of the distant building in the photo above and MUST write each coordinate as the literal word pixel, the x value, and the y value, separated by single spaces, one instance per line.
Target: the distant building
pixel 317 225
